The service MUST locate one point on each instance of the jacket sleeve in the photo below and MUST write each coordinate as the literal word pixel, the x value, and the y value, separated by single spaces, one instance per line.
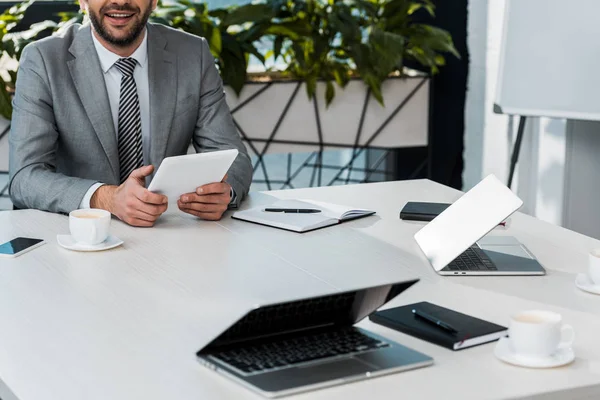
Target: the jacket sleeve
pixel 33 141
pixel 215 129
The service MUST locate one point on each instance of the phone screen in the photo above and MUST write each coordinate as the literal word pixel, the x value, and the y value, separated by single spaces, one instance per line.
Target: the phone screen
pixel 17 245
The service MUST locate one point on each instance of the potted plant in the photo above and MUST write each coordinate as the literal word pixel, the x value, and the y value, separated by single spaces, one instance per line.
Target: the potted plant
pixel 316 39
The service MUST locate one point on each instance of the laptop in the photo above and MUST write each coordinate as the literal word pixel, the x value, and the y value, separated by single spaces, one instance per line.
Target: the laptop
pixel 454 241
pixel 295 346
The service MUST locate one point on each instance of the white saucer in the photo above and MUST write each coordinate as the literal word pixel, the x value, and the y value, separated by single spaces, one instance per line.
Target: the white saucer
pixel 584 282
pixel 504 352
pixel 68 242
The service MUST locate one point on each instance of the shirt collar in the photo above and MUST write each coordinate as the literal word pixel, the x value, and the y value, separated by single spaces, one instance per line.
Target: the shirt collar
pixel 108 58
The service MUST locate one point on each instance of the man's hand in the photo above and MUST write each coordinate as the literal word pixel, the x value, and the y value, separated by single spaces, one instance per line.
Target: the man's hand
pixel 208 202
pixel 131 202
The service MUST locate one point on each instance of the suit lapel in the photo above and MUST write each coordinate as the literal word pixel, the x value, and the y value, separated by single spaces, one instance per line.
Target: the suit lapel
pixel 162 78
pixel 89 81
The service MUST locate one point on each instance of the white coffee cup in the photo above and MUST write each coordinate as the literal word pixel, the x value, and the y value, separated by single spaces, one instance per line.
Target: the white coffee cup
pixel 538 333
pixel 594 266
pixel 89 226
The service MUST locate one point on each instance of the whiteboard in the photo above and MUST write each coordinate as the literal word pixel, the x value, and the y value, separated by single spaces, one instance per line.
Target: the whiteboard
pixel 550 59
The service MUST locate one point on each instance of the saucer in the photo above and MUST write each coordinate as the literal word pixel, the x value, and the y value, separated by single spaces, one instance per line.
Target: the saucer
pixel 504 352
pixel 68 242
pixel 584 282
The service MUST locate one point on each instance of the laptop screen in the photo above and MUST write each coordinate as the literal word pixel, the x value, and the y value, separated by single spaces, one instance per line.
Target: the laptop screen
pixel 466 221
pixel 340 309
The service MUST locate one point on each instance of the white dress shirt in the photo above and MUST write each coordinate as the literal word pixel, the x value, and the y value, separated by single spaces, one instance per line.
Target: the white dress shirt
pixel 112 80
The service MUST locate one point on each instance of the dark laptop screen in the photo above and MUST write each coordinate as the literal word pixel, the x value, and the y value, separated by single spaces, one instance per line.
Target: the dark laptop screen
pixel 341 309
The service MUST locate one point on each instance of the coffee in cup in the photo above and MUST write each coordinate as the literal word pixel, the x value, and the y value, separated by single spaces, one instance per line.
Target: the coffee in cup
pixel 89 226
pixel 88 216
pixel 538 333
pixel 594 266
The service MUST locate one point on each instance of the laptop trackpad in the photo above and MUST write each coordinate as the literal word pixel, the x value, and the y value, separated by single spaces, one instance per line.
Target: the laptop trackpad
pixel 513 250
pixel 310 375
pixel 338 368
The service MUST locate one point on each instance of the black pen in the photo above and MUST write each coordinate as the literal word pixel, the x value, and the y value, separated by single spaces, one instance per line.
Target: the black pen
pixel 436 321
pixel 293 210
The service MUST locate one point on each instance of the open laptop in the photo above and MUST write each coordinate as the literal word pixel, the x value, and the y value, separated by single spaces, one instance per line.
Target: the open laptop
pixel 301 345
pixel 454 241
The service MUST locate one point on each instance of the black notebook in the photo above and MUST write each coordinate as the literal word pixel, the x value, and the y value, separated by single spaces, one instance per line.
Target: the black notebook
pixel 470 331
pixel 422 211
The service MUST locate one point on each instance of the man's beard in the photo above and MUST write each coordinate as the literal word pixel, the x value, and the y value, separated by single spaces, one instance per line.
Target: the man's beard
pixel 133 33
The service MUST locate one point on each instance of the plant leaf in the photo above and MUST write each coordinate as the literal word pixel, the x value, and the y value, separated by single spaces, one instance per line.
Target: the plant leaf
pixel 388 50
pixel 292 29
pixel 219 13
pixel 215 43
pixel 432 37
pixel 375 85
pixel 248 13
pixel 329 93
pixel 252 34
pixel 233 70
pixel 5 101
pixel 249 48
pixel 278 42
pixel 311 86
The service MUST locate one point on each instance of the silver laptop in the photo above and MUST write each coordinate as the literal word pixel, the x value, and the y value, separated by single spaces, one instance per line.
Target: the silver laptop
pixel 454 241
pixel 285 348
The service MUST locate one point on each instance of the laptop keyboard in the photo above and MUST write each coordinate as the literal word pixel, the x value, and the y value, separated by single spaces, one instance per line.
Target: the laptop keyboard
pixel 473 259
pixel 281 353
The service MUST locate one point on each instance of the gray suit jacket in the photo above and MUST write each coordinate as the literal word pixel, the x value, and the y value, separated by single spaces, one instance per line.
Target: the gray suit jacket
pixel 63 139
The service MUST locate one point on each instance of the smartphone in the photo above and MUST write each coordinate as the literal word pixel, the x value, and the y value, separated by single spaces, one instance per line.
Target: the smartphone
pixel 422 211
pixel 18 246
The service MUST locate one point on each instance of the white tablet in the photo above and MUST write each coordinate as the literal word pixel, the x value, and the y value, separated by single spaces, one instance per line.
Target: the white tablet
pixel 183 174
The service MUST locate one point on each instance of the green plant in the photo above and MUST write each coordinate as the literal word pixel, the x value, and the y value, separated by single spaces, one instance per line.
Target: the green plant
pixel 329 40
pixel 335 39
pixel 231 32
pixel 11 46
pixel 12 43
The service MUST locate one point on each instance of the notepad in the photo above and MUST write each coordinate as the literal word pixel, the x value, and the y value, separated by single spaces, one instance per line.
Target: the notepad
pixel 471 331
pixel 330 214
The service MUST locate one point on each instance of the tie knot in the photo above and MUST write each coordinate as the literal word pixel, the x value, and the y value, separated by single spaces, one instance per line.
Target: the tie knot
pixel 126 65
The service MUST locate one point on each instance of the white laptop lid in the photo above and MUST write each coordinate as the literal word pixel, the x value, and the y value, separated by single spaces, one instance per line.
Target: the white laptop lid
pixel 466 221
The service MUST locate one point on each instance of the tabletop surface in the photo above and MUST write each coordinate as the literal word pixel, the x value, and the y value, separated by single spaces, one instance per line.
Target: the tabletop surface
pixel 126 323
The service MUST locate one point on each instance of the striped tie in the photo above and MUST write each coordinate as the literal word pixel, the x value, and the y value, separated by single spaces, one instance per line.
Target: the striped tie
pixel 131 155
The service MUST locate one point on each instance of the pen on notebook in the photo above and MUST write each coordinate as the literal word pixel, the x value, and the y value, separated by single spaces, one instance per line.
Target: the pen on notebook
pixel 436 321
pixel 294 210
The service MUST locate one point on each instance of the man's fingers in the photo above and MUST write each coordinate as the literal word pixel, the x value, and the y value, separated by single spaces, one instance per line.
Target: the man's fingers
pixel 148 208
pixel 203 207
pixel 214 188
pixel 138 222
pixel 148 197
pixel 222 198
pixel 141 214
pixel 209 216
pixel 134 208
pixel 142 222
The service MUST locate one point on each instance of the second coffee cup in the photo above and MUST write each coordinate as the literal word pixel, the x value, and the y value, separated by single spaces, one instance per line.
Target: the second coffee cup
pixel 594 266
pixel 539 333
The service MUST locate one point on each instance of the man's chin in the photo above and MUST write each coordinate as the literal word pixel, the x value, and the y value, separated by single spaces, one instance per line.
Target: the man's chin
pixel 119 31
pixel 119 35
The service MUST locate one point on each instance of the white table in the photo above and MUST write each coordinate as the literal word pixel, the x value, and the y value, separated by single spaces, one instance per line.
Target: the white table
pixel 126 323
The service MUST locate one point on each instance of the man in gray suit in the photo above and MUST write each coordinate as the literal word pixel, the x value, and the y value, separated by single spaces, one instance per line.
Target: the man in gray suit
pixel 98 106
